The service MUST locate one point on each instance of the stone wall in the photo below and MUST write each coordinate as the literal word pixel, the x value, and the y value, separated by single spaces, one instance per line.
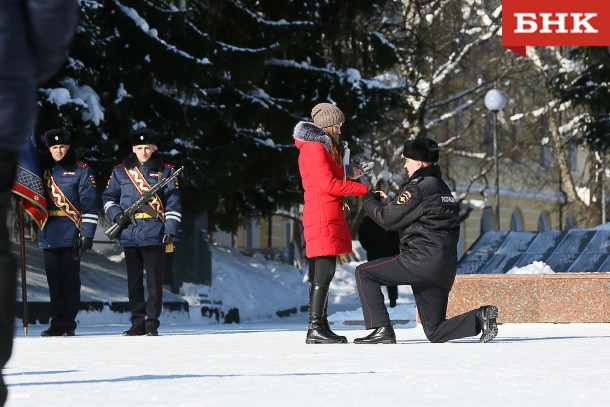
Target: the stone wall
pixel 559 298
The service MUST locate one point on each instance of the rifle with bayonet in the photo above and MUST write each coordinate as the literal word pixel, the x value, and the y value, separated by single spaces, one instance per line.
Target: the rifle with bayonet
pixel 113 231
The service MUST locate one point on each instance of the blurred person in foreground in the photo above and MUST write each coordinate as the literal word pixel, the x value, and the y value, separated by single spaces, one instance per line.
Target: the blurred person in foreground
pixel 427 218
pixel 34 39
pixel 326 180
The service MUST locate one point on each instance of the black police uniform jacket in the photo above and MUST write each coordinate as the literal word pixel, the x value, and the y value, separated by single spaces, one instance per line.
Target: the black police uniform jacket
pixel 72 183
pixel 427 218
pixel 121 192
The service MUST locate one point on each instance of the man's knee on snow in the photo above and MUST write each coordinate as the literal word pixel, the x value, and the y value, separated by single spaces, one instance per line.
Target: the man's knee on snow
pixel 430 332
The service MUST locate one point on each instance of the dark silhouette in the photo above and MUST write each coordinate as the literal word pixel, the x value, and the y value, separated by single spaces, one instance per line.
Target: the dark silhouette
pixel 34 38
pixel 379 243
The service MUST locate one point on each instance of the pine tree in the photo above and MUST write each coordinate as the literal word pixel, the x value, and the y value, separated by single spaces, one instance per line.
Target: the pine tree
pixel 223 82
pixel 587 87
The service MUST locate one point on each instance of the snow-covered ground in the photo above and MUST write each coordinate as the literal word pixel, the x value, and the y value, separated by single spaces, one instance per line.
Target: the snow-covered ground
pixel 264 361
pixel 269 364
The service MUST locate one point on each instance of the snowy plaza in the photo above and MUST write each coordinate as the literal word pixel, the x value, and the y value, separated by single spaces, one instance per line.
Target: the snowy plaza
pixel 270 365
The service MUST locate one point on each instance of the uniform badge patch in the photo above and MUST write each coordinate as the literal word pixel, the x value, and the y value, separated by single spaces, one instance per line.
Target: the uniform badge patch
pixel 403 198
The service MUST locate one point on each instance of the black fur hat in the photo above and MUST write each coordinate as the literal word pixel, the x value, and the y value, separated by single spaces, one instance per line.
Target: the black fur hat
pixel 57 136
pixel 143 136
pixel 422 149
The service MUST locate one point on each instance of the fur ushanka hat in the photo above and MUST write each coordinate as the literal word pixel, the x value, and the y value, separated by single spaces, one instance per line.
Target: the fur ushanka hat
pixel 421 149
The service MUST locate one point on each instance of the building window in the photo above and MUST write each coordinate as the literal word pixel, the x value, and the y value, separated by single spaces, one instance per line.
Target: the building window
pixel 252 233
pixel 570 222
pixel 287 232
pixel 247 234
pixel 487 220
pixel 544 222
pixel 572 157
pixel 516 220
pixel 545 158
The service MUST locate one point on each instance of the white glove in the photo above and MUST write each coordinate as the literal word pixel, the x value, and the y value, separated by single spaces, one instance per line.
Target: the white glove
pixel 367 167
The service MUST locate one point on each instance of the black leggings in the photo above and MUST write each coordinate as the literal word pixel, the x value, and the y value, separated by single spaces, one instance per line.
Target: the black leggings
pixel 322 269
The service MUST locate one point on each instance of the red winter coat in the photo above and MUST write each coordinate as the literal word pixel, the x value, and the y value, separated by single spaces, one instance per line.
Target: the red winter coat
pixel 324 226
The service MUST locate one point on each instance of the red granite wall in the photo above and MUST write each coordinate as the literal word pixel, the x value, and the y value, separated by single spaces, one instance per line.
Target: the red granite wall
pixel 560 297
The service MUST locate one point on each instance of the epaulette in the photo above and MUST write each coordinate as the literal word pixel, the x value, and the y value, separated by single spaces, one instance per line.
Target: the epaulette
pixel 168 166
pixel 118 165
pixel 82 164
pixel 416 180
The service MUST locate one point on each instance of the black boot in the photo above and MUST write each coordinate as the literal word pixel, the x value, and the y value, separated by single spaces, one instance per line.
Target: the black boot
pixel 486 317
pixel 152 327
pixel 342 339
pixel 318 330
pixel 70 329
pixel 152 331
pixel 383 334
pixel 135 331
pixel 53 330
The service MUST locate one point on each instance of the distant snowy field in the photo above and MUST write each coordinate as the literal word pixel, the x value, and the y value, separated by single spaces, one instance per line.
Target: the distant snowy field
pixel 270 365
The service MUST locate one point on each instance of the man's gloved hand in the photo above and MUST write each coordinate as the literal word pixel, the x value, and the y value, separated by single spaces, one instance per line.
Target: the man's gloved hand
pixel 122 220
pixel 86 243
pixel 168 238
pixel 367 167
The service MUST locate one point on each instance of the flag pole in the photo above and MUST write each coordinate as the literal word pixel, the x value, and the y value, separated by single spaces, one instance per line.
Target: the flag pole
pixel 24 289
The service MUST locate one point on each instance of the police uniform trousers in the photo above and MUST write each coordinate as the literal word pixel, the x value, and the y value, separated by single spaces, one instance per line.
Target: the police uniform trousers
pixel 63 277
pixel 151 258
pixel 431 301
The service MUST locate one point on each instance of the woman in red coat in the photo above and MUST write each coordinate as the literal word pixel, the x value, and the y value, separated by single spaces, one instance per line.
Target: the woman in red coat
pixel 325 181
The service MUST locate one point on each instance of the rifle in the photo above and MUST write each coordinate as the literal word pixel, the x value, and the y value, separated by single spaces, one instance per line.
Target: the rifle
pixel 113 231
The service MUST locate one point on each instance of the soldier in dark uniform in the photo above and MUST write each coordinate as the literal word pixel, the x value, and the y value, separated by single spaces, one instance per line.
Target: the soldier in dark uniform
pixel 426 216
pixel 73 208
pixel 157 225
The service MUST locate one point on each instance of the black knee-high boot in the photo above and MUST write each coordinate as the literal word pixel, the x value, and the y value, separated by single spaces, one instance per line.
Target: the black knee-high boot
pixel 327 325
pixel 318 329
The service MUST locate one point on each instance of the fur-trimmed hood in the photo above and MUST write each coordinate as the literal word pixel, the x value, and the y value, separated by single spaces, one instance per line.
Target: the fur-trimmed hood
pixel 309 132
pixel 153 163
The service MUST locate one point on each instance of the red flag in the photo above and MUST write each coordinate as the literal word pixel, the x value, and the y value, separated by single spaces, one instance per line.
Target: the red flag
pixel 28 184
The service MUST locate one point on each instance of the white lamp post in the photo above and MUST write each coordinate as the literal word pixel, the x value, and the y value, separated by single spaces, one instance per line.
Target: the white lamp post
pixel 494 102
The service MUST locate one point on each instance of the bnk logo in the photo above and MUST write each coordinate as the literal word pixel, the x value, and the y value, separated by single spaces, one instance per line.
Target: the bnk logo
pixel 549 23
pixel 555 23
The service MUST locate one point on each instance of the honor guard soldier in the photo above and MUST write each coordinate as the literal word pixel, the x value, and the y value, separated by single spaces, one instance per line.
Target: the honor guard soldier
pixel 72 205
pixel 145 237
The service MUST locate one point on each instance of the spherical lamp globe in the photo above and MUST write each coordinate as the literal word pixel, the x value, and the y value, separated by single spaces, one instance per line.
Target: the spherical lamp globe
pixel 494 100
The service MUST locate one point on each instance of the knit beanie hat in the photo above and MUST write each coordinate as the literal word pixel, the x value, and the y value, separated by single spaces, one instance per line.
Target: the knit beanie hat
pixel 57 137
pixel 326 115
pixel 143 136
pixel 421 149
